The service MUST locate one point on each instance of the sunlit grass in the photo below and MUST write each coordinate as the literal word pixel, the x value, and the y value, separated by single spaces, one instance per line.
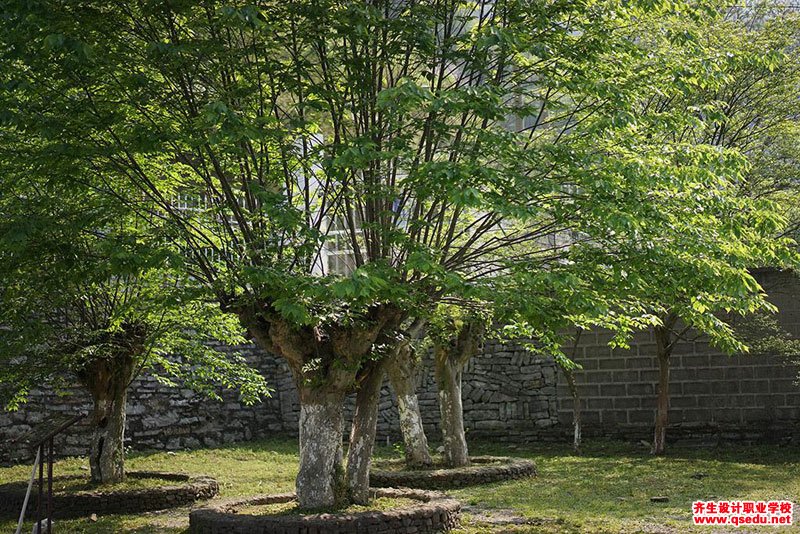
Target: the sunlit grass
pixel 607 489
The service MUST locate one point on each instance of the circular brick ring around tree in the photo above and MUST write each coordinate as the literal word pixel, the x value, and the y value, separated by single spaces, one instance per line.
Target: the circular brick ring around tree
pixel 180 490
pixel 434 513
pixel 483 470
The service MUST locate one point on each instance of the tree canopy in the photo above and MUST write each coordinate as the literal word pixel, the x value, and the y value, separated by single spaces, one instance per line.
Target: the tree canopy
pixel 521 153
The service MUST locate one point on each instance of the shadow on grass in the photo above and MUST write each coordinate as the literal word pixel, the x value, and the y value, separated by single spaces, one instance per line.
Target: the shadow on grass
pixel 609 487
pixel 765 454
pixel 156 530
pixel 282 444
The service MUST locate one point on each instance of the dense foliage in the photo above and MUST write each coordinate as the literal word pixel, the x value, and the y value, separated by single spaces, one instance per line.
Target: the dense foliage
pixel 83 280
pixel 330 169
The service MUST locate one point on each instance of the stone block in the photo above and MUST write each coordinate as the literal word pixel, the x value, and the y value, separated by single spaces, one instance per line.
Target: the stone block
pixel 612 390
pixel 612 363
pixel 645 390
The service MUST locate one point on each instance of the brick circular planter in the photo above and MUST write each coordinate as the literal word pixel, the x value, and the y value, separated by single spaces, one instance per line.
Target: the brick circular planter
pixel 484 469
pixel 185 490
pixel 434 513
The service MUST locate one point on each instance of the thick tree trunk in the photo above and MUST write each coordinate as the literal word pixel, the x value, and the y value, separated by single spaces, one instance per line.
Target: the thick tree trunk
pixel 321 480
pixel 569 374
pixel 663 351
pixel 107 380
pixel 107 456
pixel 362 433
pixel 403 373
pixel 448 379
pixel 325 361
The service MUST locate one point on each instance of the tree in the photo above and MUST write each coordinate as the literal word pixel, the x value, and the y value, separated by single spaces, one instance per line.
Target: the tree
pixel 456 336
pixel 696 275
pixel 702 279
pixel 435 145
pixel 87 296
pixel 754 113
pixel 568 368
pixel 404 372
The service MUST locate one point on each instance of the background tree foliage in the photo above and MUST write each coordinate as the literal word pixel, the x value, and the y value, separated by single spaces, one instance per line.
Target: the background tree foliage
pixel 699 276
pixel 752 111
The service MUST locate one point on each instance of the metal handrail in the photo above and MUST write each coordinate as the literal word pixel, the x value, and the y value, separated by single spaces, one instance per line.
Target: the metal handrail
pixel 27 495
pixel 38 441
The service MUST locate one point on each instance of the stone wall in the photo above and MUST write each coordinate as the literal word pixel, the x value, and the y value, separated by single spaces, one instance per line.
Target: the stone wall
pixel 159 416
pixel 712 395
pixel 509 395
pixel 176 490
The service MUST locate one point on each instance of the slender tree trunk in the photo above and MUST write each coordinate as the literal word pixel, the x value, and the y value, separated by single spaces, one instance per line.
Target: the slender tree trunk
pixel 107 380
pixel 362 434
pixel 321 480
pixel 448 378
pixel 403 371
pixel 569 374
pixel 663 351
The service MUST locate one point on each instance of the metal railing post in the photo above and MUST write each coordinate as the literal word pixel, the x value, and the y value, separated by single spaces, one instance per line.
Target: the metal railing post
pixel 38 438
pixel 40 500
pixel 24 511
pixel 50 488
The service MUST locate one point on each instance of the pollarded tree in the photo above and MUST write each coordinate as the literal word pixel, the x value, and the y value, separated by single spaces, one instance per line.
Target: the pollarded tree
pixel 456 335
pixel 344 165
pixel 404 371
pixel 88 297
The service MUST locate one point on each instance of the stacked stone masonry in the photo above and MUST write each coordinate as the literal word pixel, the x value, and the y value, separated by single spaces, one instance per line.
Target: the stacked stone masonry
pixel 432 512
pixel 483 470
pixel 509 395
pixel 183 490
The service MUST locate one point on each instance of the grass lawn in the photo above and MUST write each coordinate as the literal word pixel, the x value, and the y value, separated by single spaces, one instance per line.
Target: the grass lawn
pixel 608 489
